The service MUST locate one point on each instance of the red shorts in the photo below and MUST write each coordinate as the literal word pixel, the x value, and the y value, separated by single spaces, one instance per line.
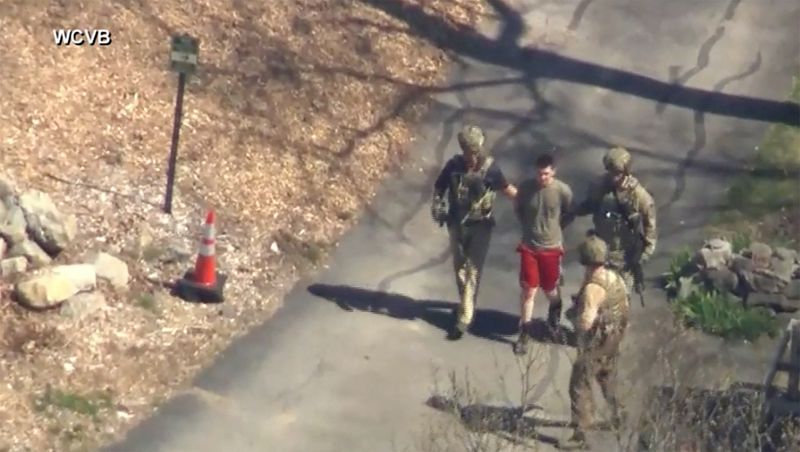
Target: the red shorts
pixel 540 267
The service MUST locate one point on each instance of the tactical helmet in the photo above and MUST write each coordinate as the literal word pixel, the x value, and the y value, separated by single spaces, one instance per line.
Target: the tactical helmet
pixel 617 159
pixel 593 250
pixel 471 139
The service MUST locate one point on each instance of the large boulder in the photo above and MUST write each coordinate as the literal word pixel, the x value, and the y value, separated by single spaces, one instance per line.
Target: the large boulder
pixel 715 254
pixel 13 266
pixel 32 252
pixel 83 305
pixel 47 226
pixel 721 279
pixel 775 301
pixel 13 227
pixel 792 290
pixel 760 254
pixel 50 287
pixel 110 268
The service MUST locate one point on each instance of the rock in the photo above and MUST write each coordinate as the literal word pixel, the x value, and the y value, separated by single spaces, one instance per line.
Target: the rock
pixel 50 287
pixel 783 268
pixel 13 227
pixel 83 275
pixel 8 187
pixel 13 266
pixel 716 253
pixel 760 254
pixel 740 263
pixel 792 290
pixel 173 253
pixel 786 254
pixel 144 240
pixel 777 302
pixel 767 281
pixel 111 269
pixel 32 252
pixel 47 226
pixel 686 285
pixel 722 279
pixel 83 304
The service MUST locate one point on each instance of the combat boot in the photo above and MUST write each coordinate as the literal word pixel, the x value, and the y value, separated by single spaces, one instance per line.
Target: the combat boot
pixel 554 319
pixel 576 442
pixel 521 346
pixel 457 330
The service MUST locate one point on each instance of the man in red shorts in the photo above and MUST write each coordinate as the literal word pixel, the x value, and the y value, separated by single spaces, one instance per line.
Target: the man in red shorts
pixel 544 206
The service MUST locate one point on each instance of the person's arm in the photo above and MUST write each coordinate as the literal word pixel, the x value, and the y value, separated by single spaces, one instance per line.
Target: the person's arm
pixel 567 209
pixel 589 203
pixel 442 182
pixel 440 187
pixel 592 296
pixel 647 210
pixel 520 199
pixel 589 306
pixel 498 182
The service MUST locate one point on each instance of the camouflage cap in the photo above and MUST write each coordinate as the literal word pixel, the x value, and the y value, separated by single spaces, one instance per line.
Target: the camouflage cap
pixel 471 138
pixel 593 250
pixel 617 159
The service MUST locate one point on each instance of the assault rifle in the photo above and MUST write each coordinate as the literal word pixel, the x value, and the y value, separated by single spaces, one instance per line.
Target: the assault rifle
pixel 634 262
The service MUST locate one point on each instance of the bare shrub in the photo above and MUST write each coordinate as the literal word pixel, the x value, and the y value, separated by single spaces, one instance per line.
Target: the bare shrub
pixel 686 408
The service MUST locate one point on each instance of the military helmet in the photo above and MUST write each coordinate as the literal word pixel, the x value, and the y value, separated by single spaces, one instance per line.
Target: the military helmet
pixel 617 159
pixel 471 139
pixel 593 250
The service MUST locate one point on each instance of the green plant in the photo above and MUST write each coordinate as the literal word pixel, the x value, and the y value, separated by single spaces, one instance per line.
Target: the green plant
pixel 87 404
pixel 719 314
pixel 147 301
pixel 677 266
pixel 740 241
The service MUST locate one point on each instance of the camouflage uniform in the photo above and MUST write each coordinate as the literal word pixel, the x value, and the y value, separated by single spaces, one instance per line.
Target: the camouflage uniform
pixel 468 213
pixel 616 210
pixel 598 348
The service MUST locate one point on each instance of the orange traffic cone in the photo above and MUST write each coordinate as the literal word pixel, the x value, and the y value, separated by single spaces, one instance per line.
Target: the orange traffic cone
pixel 203 283
pixel 206 265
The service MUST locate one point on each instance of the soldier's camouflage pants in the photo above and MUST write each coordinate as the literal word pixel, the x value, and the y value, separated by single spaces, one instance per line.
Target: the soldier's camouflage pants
pixel 469 245
pixel 597 361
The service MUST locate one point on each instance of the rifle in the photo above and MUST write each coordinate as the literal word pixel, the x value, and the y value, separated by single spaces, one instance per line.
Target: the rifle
pixel 637 271
pixel 440 208
pixel 635 263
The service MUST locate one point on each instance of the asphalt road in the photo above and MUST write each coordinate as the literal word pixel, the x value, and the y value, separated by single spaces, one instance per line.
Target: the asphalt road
pixel 350 359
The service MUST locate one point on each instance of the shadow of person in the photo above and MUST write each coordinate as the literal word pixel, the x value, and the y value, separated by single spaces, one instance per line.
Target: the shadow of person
pixel 488 324
pixel 481 418
pixel 540 332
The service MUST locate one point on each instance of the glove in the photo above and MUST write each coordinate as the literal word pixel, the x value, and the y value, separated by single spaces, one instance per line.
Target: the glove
pixel 438 210
pixel 644 258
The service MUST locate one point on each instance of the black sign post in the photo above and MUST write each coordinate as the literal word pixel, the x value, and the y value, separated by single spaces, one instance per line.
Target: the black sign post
pixel 183 60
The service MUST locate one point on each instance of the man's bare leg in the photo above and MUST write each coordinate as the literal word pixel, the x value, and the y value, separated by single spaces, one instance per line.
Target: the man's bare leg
pixel 526 317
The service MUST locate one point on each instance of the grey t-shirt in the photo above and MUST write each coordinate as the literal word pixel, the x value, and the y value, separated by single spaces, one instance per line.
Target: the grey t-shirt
pixel 541 210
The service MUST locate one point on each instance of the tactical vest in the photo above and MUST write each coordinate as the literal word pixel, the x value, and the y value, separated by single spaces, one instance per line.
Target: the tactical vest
pixel 610 220
pixel 613 313
pixel 471 198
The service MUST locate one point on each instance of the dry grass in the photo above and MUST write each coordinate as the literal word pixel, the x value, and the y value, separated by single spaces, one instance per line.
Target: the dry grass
pixel 297 112
pixel 675 400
